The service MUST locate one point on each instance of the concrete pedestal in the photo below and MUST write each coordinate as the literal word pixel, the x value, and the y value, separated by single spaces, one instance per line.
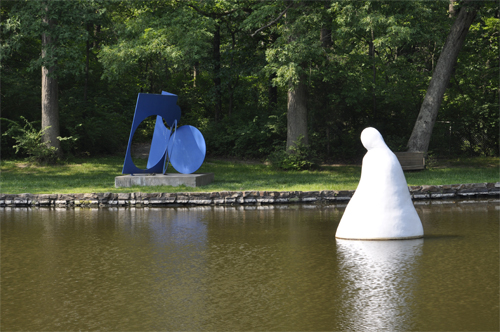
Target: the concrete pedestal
pixel 169 179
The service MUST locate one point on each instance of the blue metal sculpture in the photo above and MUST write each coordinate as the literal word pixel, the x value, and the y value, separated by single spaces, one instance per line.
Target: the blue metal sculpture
pixel 183 147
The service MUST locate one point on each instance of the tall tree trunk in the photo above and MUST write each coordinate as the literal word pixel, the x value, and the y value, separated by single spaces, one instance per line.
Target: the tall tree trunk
pixel 272 90
pixel 325 37
pixel 297 114
pixel 97 31
pixel 217 80
pixel 422 131
pixel 451 8
pixel 326 32
pixel 233 83
pixel 195 73
pixel 272 93
pixel 50 105
pixel 87 65
pixel 371 54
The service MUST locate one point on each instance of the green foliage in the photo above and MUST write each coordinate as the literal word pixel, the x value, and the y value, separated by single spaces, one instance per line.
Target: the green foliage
pixel 29 19
pixel 29 141
pixel 373 71
pixel 248 139
pixel 299 157
pixel 468 122
pixel 102 124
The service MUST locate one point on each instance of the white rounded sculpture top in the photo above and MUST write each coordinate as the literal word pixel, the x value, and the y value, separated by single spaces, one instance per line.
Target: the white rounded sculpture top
pixel 371 139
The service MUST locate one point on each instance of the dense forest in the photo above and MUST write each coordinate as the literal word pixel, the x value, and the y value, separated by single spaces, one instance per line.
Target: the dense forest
pixel 256 77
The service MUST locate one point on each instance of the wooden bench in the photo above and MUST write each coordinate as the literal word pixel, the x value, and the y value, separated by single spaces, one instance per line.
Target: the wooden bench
pixel 411 161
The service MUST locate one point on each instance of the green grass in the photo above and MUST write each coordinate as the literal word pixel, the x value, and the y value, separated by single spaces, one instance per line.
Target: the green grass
pixel 92 175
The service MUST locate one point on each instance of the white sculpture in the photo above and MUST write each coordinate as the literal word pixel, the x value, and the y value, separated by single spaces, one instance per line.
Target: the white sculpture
pixel 381 207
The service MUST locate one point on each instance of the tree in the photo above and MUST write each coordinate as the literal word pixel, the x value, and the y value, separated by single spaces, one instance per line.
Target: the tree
pixel 293 54
pixel 422 131
pixel 467 121
pixel 297 114
pixel 61 28
pixel 296 128
pixel 265 72
pixel 50 87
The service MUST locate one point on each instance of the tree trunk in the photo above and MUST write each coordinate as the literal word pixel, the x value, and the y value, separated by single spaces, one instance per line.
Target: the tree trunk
pixel 50 105
pixel 87 65
pixel 195 73
pixel 371 54
pixel 326 32
pixel 97 31
pixel 272 93
pixel 326 37
pixel 451 9
pixel 272 90
pixel 297 114
pixel 422 131
pixel 217 80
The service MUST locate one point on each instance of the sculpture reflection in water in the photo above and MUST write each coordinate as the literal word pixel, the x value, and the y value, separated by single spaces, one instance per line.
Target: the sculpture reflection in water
pixel 184 147
pixel 380 283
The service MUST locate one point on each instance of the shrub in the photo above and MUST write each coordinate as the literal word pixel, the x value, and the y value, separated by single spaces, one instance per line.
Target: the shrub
pixel 298 157
pixel 29 140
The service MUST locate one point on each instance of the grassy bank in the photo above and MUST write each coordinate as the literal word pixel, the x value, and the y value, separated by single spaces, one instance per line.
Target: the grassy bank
pixel 97 175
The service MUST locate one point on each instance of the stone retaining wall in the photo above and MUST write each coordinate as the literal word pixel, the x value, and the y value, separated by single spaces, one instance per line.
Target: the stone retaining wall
pixel 470 190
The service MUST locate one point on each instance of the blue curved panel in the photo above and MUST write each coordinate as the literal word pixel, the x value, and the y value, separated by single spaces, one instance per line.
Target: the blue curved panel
pixel 159 143
pixel 187 149
pixel 165 106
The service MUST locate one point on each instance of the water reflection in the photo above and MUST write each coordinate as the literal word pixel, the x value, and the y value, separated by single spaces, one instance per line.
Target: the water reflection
pixel 244 268
pixel 380 283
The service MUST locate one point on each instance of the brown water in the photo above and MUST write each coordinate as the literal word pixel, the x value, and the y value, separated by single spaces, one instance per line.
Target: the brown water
pixel 235 268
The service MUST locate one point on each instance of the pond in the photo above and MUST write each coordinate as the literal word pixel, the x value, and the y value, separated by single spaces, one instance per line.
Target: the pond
pixel 246 268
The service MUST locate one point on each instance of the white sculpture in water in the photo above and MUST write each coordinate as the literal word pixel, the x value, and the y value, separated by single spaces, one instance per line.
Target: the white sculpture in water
pixel 381 207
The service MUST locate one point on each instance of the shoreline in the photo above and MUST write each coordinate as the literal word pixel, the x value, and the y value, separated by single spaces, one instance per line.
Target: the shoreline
pixel 139 199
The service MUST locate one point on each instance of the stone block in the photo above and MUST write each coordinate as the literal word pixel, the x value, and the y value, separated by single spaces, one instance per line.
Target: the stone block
pixel 20 202
pixel 213 195
pixel 182 199
pixel 169 179
pixel 123 196
pixel 442 195
pixel 344 194
pixel 430 188
pixel 200 201
pixel 420 195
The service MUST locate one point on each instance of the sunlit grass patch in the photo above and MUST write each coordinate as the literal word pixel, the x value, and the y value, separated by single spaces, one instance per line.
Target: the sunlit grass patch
pixel 98 175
